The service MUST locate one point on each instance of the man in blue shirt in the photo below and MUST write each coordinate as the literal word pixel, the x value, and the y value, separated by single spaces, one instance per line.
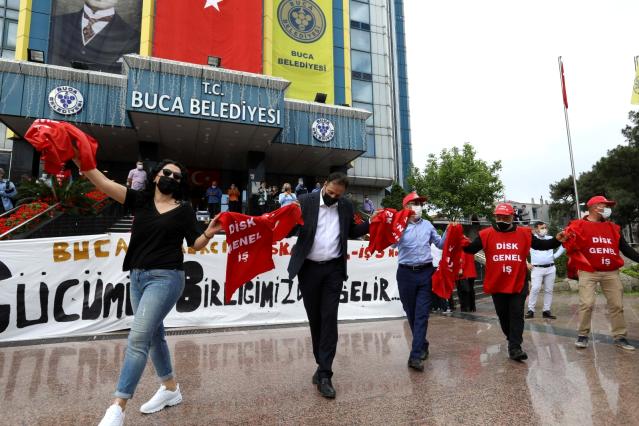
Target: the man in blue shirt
pixel 414 275
pixel 213 197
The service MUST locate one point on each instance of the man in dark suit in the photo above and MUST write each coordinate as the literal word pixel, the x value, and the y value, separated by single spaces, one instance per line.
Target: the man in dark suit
pixel 319 261
pixel 96 36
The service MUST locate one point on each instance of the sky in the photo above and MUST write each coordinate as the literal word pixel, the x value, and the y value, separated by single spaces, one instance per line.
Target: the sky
pixel 486 72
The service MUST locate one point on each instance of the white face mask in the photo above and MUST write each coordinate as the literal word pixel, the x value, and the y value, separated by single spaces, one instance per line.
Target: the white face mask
pixel 140 166
pixel 606 212
pixel 542 232
pixel 418 211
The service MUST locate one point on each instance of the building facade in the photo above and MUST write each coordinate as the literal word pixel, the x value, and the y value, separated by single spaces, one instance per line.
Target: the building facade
pixel 132 70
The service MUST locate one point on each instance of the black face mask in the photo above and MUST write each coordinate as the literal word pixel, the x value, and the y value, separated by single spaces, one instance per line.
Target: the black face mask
pixel 167 185
pixel 328 200
pixel 503 226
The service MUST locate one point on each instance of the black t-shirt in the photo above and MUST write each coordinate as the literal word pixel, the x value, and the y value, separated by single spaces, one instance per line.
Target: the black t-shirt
pixel 156 239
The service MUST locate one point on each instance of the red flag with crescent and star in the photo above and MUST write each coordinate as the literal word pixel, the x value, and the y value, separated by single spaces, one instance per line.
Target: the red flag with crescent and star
pixel 193 30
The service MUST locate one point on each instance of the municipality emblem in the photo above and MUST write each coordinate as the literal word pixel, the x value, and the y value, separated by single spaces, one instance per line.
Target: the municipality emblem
pixel 302 20
pixel 323 130
pixel 66 100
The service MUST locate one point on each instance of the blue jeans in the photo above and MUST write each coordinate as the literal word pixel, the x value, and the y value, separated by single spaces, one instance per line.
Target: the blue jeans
pixel 415 292
pixel 154 292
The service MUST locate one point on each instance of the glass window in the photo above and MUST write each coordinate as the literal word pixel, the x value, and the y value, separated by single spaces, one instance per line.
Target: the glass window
pixel 370 142
pixel 367 107
pixel 360 40
pixel 361 62
pixel 13 4
pixel 8 54
pixel 360 12
pixel 12 14
pixel 10 34
pixel 2 2
pixel 363 91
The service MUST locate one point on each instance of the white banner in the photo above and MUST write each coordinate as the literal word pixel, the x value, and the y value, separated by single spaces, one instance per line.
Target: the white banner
pixel 60 287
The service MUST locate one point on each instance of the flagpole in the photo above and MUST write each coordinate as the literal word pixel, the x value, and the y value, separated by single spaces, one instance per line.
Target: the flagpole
pixel 572 160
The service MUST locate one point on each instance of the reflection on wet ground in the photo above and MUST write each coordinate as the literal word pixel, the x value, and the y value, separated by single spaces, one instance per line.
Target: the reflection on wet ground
pixel 264 376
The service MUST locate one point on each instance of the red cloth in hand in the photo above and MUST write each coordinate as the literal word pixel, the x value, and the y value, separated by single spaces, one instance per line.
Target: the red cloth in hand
pixel 250 241
pixel 387 228
pixel 576 260
pixel 284 220
pixel 468 264
pixel 55 140
pixel 446 274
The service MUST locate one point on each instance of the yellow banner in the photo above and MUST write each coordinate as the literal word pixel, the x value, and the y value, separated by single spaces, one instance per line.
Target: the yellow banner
pixel 635 90
pixel 299 46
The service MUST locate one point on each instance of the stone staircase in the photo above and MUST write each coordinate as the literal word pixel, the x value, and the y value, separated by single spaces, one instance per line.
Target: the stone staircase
pixel 123 224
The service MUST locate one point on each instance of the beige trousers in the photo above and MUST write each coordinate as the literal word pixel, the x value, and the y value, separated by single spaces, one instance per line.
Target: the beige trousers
pixel 613 291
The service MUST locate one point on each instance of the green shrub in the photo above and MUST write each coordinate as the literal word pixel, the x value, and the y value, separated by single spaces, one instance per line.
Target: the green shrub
pixel 633 270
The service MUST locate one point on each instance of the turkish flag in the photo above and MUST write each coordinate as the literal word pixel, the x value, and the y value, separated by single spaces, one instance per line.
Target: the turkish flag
pixel 193 30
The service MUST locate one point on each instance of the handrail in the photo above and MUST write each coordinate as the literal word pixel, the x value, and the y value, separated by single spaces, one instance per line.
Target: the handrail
pixel 53 207
pixel 9 212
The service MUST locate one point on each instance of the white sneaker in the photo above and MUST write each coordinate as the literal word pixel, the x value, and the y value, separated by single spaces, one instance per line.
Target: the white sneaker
pixel 114 416
pixel 161 399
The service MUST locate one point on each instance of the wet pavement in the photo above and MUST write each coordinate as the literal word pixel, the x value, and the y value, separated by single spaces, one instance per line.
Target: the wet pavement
pixel 263 376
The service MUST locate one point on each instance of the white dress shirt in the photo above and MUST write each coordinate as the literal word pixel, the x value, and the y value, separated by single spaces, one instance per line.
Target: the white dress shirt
pixel 326 245
pixel 544 257
pixel 98 26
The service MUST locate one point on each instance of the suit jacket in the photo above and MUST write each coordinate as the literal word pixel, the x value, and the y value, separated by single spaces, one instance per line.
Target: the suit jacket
pixel 306 232
pixel 102 53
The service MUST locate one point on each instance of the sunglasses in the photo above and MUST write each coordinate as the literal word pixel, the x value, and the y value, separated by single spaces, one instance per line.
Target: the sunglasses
pixel 169 173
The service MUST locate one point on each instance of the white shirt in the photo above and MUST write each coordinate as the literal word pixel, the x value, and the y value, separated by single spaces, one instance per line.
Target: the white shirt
pixel 98 26
pixel 544 257
pixel 326 245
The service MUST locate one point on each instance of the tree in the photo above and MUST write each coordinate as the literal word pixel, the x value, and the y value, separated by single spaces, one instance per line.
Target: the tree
pixel 615 176
pixel 631 133
pixel 459 184
pixel 395 198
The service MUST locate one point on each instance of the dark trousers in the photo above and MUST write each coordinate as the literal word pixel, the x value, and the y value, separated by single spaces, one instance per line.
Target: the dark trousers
pixel 466 294
pixel 214 209
pixel 321 286
pixel 235 206
pixel 415 293
pixel 510 310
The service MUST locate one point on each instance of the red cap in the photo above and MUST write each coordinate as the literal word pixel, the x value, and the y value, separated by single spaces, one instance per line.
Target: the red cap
pixel 413 197
pixel 600 199
pixel 504 209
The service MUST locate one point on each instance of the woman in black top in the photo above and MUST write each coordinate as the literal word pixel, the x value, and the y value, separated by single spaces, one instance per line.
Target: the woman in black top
pixel 162 221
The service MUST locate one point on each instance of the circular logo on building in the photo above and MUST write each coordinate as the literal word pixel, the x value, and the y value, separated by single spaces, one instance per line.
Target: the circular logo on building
pixel 323 130
pixel 66 100
pixel 302 20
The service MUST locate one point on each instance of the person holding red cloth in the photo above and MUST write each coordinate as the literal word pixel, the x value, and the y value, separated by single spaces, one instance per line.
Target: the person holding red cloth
pixel 506 246
pixel 593 251
pixel 466 283
pixel 414 276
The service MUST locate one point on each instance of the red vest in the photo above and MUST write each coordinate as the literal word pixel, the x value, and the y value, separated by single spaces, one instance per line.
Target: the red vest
pixel 598 242
pixel 505 259
pixel 468 266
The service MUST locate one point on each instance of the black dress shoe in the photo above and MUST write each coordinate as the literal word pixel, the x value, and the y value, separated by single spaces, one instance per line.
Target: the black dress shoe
pixel 416 364
pixel 325 387
pixel 529 314
pixel 547 314
pixel 424 354
pixel 517 354
pixel 315 378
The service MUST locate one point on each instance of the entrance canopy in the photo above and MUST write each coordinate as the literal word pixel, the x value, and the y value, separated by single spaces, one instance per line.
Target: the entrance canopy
pixel 206 117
